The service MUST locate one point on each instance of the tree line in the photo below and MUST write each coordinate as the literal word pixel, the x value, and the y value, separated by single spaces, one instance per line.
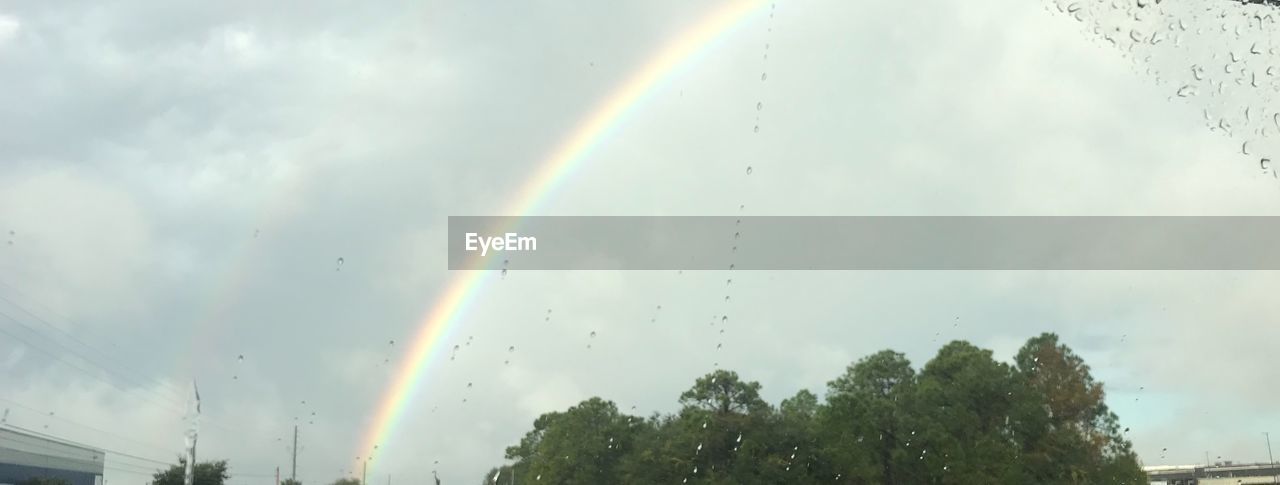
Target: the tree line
pixel 962 418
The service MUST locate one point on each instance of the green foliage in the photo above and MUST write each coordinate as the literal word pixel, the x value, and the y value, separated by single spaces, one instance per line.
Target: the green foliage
pixel 962 418
pixel 290 481
pixel 340 481
pixel 207 473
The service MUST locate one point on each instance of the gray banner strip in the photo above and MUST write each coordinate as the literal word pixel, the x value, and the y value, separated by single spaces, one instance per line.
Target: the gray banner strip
pixel 864 243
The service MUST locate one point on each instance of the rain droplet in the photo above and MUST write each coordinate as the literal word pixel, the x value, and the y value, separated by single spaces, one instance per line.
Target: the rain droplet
pixel 764 76
pixel 340 262
pixel 1244 148
pixel 593 334
pixel 756 129
pixel 759 105
pixel 1186 91
pixel 240 358
pixel 748 170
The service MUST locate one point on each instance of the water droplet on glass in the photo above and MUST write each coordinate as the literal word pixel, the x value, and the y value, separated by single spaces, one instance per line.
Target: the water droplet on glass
pixel 1186 91
pixel 340 262
pixel 759 105
pixel 748 170
pixel 593 334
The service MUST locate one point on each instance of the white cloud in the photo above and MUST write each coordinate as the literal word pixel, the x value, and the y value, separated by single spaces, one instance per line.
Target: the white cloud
pixel 9 27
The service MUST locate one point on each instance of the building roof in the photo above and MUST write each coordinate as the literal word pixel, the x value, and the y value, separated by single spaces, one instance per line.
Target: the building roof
pixel 28 448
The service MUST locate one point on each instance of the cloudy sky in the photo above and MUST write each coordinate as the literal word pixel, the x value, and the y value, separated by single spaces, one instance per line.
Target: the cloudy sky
pixel 179 179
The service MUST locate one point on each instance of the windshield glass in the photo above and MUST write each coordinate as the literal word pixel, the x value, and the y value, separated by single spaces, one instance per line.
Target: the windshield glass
pixel 733 241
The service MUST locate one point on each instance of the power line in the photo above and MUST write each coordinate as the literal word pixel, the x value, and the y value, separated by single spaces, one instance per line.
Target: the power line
pixel 28 328
pixel 73 337
pixel 80 328
pixel 138 377
pixel 64 361
pixel 137 380
pixel 100 448
pixel 82 425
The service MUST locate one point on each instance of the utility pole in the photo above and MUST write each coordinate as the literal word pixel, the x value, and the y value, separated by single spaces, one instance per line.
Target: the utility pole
pixel 193 429
pixel 293 475
pixel 364 472
pixel 1269 455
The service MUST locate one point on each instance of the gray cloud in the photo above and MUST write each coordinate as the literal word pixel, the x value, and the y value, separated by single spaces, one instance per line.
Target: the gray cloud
pixel 181 179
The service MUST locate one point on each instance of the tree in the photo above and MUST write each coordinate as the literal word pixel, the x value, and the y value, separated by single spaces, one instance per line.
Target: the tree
pixel 207 473
pixel 961 412
pixel 962 418
pixel 582 445
pixel 290 481
pixel 1078 439
pixel 865 409
pixel 340 481
pixel 723 393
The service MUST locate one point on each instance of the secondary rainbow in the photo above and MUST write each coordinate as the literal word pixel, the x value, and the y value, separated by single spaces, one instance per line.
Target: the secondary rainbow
pixel 450 306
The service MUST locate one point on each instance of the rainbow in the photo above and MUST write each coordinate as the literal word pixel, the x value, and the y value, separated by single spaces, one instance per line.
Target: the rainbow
pixel 450 307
